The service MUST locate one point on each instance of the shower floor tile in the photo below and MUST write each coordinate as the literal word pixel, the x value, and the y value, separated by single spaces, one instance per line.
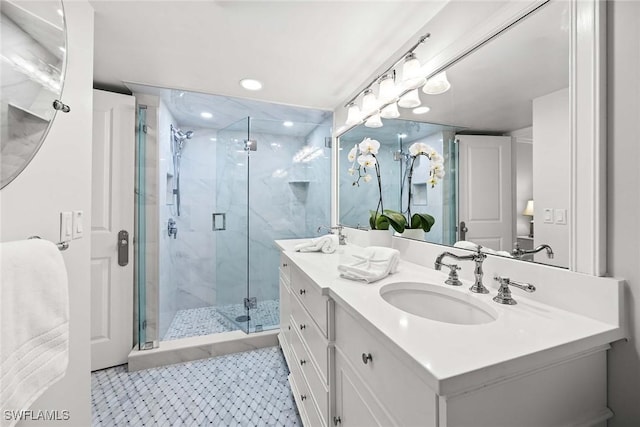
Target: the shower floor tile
pixel 211 320
pixel 242 389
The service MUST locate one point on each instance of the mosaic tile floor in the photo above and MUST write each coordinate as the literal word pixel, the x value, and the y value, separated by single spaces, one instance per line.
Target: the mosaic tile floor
pixel 242 389
pixel 211 320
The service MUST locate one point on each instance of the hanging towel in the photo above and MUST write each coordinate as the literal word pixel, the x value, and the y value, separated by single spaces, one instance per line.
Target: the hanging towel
pixel 372 264
pixel 327 244
pixel 34 328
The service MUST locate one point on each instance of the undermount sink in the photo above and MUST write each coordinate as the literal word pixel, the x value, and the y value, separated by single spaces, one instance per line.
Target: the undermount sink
pixel 437 303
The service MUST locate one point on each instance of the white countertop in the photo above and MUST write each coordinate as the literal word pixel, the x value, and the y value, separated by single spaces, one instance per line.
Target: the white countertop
pixel 456 358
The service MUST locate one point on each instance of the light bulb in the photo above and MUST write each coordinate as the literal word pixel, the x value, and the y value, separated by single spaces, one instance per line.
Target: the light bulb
pixel 410 99
pixel 411 72
pixel 390 111
pixel 437 84
pixel 374 121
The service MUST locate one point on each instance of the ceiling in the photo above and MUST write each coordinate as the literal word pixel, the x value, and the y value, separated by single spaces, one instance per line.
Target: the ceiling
pixel 306 53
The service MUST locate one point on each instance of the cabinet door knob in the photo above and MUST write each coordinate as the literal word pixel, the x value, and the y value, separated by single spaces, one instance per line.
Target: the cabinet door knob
pixel 336 421
pixel 302 362
pixel 366 358
pixel 303 396
pixel 302 326
pixel 303 291
pixel 285 264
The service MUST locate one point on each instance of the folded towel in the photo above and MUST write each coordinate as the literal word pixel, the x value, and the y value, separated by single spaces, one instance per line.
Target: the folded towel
pixel 34 328
pixel 464 244
pixel 373 263
pixel 327 244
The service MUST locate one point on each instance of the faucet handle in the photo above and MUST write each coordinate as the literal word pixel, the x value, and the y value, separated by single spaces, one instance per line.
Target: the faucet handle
pixel 504 293
pixel 453 279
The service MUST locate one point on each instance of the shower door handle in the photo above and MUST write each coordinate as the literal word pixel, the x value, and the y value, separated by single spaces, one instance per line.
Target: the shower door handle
pixel 219 225
pixel 123 248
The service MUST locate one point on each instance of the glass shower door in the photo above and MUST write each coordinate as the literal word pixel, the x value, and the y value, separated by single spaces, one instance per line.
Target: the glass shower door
pixel 230 225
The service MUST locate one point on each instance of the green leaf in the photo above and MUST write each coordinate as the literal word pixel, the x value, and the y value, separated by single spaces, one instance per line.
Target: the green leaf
pixel 396 220
pixel 421 220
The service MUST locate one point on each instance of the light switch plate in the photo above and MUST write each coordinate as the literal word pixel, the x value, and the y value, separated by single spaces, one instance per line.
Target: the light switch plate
pixel 561 216
pixel 78 224
pixel 66 226
pixel 548 216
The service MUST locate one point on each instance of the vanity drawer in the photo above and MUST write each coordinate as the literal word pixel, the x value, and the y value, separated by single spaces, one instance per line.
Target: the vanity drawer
pixel 310 334
pixel 311 298
pixel 285 311
pixel 312 396
pixel 401 392
pixel 309 370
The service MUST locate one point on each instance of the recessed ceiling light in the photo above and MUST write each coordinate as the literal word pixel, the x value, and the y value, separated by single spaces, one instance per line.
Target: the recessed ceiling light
pixel 287 124
pixel 251 84
pixel 213 139
pixel 206 115
pixel 421 110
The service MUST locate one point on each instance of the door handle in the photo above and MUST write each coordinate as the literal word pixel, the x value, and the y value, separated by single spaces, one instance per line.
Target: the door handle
pixel 123 248
pixel 463 230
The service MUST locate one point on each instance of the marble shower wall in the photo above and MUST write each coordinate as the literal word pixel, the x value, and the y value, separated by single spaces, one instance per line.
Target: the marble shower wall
pixel 287 199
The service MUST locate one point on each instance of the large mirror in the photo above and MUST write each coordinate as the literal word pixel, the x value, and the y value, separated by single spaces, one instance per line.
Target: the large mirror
pixel 33 52
pixel 502 130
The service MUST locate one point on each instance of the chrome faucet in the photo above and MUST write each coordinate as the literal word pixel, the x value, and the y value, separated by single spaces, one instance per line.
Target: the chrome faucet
pixel 341 237
pixel 477 258
pixel 518 252
pixel 504 293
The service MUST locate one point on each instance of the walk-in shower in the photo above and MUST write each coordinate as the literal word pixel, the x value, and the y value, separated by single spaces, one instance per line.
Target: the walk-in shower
pixel 211 202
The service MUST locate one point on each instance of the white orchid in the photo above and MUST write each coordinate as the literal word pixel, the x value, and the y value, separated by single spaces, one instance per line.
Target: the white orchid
pixel 369 146
pixel 351 171
pixel 418 148
pixel 353 154
pixel 367 178
pixel 366 161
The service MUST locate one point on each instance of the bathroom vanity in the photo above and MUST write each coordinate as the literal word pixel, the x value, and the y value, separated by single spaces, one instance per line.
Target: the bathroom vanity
pixel 357 359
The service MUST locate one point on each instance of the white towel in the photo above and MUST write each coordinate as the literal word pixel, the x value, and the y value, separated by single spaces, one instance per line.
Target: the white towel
pixel 464 244
pixel 327 244
pixel 374 263
pixel 34 311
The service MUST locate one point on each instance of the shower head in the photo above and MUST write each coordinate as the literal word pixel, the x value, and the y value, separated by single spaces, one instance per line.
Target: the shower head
pixel 189 134
pixel 181 136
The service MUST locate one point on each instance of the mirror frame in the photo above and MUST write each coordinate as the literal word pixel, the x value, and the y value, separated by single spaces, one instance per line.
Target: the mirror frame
pixel 587 94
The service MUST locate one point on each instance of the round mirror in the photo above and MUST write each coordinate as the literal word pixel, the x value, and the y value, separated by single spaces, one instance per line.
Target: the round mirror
pixel 33 50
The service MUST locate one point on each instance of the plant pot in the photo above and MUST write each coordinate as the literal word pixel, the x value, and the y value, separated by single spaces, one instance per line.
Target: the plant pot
pixel 379 238
pixel 412 233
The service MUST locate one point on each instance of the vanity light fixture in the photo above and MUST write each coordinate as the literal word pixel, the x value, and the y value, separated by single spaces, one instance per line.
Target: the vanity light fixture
pixel 437 84
pixel 390 96
pixel 251 84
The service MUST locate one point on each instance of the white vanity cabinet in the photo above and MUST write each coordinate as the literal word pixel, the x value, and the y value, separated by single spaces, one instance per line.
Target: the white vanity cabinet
pixel 304 338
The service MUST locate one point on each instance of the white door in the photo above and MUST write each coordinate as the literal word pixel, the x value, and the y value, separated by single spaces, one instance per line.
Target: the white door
pixel 112 204
pixel 484 190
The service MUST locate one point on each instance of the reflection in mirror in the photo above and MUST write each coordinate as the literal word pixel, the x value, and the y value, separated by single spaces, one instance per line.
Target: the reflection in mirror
pixel 503 129
pixel 33 56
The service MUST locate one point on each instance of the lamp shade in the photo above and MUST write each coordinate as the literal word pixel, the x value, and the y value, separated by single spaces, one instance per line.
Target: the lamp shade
pixel 368 102
pixel 528 210
pixel 374 121
pixel 388 89
pixel 390 111
pixel 410 99
pixel 437 84
pixel 411 72
pixel 353 115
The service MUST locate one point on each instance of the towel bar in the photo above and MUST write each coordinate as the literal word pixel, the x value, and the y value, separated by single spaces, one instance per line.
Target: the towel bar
pixel 63 246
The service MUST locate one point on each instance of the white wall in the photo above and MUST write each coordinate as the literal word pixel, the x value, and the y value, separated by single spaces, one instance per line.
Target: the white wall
pixel 552 173
pixel 623 176
pixel 59 179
